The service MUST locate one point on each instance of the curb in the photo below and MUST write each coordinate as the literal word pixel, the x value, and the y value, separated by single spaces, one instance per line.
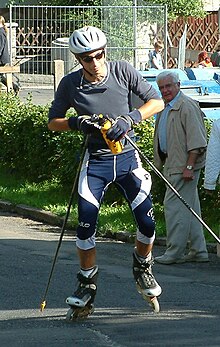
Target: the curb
pixel 51 219
pixel 31 212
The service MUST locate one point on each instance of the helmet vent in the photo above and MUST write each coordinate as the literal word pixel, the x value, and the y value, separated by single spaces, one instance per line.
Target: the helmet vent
pixel 86 38
pixel 81 43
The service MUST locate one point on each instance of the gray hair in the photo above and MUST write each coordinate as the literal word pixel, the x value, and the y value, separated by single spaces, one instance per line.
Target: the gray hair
pixel 174 76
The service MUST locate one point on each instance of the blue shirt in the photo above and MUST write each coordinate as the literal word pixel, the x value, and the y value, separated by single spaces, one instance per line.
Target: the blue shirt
pixel 162 126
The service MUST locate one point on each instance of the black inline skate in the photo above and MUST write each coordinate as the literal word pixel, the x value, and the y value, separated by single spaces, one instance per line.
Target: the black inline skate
pixel 81 302
pixel 146 284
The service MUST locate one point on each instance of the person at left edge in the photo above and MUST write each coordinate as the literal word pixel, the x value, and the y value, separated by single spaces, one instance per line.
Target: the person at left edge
pixel 105 87
pixel 4 53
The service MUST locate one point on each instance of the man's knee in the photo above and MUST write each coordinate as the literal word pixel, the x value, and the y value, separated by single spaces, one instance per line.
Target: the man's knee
pixel 86 244
pixel 145 218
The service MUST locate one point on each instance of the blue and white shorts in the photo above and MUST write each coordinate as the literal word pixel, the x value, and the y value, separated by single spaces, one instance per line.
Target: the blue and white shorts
pixel 126 171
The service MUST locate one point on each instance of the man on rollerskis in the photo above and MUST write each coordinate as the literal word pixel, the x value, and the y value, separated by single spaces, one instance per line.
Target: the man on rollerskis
pixel 102 87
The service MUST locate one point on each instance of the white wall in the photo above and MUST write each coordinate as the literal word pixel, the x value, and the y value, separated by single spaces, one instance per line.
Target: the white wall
pixel 211 5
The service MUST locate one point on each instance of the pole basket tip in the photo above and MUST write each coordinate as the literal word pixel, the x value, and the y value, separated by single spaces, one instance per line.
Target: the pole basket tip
pixel 43 305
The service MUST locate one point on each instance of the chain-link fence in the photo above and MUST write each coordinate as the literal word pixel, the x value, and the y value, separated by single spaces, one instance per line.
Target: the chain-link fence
pixel 39 35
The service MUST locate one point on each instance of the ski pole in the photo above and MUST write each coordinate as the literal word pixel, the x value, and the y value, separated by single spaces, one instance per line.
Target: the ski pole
pixel 43 303
pixel 172 188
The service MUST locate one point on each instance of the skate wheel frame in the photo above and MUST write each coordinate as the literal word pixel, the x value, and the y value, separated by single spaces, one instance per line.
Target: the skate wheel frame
pixel 152 300
pixel 75 313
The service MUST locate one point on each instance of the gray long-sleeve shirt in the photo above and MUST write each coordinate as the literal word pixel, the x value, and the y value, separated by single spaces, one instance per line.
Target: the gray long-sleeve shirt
pixel 111 97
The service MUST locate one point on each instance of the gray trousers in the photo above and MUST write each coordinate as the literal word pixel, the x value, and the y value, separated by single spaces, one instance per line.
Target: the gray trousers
pixel 181 225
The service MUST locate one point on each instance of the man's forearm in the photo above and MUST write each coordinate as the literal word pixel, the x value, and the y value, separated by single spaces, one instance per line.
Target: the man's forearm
pixel 58 124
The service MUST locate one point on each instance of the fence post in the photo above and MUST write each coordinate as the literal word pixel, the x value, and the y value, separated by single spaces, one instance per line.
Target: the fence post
pixel 58 71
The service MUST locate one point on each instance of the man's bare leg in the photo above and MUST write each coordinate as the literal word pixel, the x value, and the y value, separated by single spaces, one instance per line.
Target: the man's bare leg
pixel 142 249
pixel 87 258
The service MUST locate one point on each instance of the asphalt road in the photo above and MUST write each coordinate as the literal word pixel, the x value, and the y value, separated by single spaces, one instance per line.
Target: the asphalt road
pixel 190 302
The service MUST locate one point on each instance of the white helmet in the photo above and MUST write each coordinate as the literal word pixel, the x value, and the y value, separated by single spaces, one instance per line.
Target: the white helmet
pixel 87 39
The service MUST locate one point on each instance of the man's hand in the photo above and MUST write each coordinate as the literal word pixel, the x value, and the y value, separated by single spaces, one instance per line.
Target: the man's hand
pixel 87 124
pixel 188 175
pixel 209 192
pixel 119 128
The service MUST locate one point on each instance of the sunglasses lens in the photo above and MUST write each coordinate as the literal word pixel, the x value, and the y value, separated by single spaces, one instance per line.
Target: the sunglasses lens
pixel 99 56
pixel 89 59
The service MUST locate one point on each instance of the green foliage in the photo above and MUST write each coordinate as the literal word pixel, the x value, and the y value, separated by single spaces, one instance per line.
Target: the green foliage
pixel 70 2
pixel 181 8
pixel 26 145
pixel 14 2
pixel 58 2
pixel 145 133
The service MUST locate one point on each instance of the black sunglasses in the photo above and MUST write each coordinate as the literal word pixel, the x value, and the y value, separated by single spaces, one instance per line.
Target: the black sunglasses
pixel 89 59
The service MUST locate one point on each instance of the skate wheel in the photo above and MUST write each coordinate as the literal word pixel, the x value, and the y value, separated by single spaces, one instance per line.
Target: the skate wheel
pixel 70 314
pixel 153 302
pixel 75 313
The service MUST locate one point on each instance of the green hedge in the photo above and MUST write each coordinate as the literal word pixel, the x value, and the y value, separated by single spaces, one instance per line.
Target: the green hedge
pixel 29 148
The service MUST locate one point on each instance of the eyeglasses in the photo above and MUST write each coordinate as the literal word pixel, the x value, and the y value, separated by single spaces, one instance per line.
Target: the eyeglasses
pixel 89 58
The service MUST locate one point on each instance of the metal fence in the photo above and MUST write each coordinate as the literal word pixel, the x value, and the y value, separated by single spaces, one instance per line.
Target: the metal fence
pixel 39 35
